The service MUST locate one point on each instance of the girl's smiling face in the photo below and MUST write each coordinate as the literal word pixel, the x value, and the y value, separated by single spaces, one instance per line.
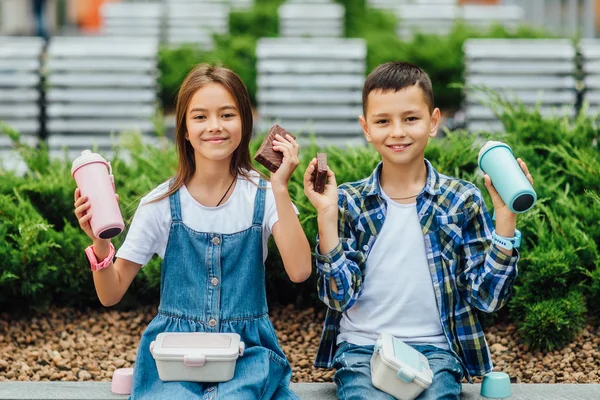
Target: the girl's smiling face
pixel 214 125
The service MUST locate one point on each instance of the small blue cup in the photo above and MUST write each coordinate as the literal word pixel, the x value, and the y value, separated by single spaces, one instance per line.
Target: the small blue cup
pixel 497 160
pixel 496 385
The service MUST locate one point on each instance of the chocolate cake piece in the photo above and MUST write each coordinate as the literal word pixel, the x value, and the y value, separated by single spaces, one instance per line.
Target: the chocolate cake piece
pixel 319 176
pixel 265 155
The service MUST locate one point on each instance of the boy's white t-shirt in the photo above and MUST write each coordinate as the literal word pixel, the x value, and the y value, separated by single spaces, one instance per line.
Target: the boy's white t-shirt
pixel 149 230
pixel 397 295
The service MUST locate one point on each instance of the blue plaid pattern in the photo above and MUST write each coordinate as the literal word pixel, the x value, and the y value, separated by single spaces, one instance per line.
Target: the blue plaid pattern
pixel 468 272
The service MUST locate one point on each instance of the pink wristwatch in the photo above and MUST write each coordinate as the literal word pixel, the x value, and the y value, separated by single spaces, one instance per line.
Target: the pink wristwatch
pixel 94 264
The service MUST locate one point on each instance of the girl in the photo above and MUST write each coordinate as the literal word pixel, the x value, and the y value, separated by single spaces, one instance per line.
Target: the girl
pixel 210 224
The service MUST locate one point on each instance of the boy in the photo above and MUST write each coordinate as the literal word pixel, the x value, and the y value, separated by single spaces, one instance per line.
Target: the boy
pixel 407 250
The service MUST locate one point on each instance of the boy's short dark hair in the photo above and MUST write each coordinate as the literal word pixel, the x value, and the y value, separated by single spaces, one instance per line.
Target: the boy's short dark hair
pixel 395 76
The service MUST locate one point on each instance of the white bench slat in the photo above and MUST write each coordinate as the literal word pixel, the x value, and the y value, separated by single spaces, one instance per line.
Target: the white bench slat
pixel 498 12
pixel 592 81
pixel 20 52
pixel 198 11
pixel 531 97
pixel 318 127
pixel 103 46
pixel 309 67
pixel 19 65
pixel 76 143
pixel 144 65
pixel 144 10
pixel 311 81
pixel 97 126
pixel 101 80
pixel 18 80
pixel 310 97
pixel 325 31
pixel 486 126
pixel 523 83
pixel 416 12
pixel 104 111
pixel 19 95
pixel 325 11
pixel 142 31
pixel 26 126
pixel 531 49
pixel 484 113
pixel 512 67
pixel 311 48
pixel 19 110
pixel 315 112
pixel 101 97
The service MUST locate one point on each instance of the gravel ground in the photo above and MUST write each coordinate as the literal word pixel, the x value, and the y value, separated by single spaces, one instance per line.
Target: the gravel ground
pixel 69 345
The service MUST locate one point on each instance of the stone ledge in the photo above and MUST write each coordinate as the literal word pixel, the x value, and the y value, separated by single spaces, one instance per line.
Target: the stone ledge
pixel 306 391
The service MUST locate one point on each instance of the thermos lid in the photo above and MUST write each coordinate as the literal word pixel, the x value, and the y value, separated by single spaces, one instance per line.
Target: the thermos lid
pixel 85 158
pixel 490 144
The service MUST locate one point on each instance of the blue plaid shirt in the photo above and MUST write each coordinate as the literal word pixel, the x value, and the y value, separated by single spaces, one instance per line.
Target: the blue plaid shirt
pixel 470 273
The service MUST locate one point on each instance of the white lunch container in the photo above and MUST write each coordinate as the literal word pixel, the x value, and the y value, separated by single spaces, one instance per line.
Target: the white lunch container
pixel 398 369
pixel 196 356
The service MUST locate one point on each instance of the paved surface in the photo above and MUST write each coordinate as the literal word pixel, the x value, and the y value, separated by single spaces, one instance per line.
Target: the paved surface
pixel 306 391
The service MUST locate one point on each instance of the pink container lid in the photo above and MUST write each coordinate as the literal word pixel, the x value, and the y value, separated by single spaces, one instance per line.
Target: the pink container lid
pixel 85 158
pixel 121 381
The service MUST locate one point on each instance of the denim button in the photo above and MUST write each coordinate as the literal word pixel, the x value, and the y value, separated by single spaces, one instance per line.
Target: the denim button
pixel 214 281
pixel 216 241
pixel 379 216
pixel 212 322
pixel 365 247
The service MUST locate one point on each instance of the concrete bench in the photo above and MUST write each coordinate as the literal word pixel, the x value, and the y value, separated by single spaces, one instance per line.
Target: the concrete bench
pixel 312 85
pixel 440 18
pixel 139 18
pixel 319 19
pixel 306 391
pixel 425 18
pixel 195 23
pixel 534 71
pixel 391 4
pixel 484 16
pixel 232 4
pixel 20 93
pixel 590 50
pixel 97 86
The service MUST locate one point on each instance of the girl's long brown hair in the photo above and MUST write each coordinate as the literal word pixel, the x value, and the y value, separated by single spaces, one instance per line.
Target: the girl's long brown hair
pixel 201 75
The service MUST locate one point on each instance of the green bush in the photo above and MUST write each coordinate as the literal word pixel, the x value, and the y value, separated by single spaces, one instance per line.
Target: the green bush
pixel 552 323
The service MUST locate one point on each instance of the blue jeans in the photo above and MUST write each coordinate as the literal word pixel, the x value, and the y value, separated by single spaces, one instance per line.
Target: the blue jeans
pixel 353 375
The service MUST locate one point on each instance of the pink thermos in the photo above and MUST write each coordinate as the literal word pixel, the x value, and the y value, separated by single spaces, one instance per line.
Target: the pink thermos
pixel 94 178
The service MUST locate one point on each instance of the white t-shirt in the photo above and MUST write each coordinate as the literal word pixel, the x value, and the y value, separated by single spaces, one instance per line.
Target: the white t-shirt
pixel 397 295
pixel 149 230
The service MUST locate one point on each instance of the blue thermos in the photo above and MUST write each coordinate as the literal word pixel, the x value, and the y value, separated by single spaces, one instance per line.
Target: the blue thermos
pixel 497 160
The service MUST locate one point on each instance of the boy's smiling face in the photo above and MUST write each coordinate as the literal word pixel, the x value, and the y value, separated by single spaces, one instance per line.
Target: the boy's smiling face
pixel 399 124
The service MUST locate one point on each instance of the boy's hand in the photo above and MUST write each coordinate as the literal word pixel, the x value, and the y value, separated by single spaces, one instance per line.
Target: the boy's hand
pixel 327 201
pixel 501 209
pixel 289 147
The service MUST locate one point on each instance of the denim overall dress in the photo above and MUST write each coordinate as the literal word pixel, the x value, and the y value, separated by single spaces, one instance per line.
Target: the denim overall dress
pixel 213 282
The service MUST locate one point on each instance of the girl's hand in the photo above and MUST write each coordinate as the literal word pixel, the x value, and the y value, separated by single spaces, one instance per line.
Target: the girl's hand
pixel 327 201
pixel 500 207
pixel 84 214
pixel 289 148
